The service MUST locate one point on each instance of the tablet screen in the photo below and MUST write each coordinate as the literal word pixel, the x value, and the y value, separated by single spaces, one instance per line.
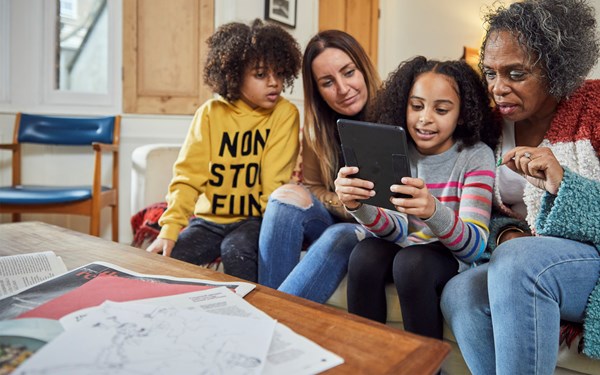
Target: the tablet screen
pixel 380 152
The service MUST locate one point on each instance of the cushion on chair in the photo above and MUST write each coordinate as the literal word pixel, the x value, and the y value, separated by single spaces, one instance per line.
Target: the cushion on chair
pixel 30 194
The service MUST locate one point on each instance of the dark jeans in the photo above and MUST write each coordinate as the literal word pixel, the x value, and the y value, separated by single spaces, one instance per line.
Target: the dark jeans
pixel 419 273
pixel 237 244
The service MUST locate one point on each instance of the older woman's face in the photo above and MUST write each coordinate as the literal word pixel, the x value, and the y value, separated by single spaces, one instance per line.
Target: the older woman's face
pixel 339 82
pixel 517 86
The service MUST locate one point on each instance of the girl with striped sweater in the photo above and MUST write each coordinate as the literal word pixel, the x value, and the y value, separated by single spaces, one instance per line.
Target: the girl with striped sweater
pixel 442 228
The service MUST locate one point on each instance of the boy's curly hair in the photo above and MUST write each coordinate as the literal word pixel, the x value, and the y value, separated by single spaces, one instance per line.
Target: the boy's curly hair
pixel 560 36
pixel 236 46
pixel 475 122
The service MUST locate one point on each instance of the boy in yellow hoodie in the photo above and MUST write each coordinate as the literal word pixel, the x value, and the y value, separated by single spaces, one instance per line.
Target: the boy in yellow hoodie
pixel 240 147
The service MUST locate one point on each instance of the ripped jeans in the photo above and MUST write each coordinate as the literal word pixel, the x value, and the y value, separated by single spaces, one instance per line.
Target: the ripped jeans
pixel 285 228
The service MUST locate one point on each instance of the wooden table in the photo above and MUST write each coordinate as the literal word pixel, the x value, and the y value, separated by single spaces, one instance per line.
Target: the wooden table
pixel 367 347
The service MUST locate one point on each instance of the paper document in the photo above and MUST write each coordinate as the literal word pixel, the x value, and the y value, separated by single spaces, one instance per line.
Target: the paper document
pixel 136 338
pixel 18 272
pixel 289 353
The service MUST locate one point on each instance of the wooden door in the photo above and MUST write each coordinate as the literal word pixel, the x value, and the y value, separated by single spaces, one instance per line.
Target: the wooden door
pixel 164 48
pixel 359 18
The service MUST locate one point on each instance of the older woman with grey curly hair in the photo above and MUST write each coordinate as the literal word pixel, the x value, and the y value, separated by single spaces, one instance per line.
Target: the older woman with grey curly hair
pixel 545 233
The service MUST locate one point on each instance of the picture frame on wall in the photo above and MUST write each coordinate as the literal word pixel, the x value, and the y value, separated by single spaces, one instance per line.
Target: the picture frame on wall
pixel 281 11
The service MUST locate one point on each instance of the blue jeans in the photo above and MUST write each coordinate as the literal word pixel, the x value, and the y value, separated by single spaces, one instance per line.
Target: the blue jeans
pixel 285 228
pixel 325 264
pixel 506 314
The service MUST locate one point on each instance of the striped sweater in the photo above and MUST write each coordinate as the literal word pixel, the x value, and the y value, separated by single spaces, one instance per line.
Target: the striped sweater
pixel 461 183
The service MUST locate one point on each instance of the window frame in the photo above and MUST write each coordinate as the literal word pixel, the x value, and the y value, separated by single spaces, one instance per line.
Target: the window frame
pixel 54 97
pixel 4 50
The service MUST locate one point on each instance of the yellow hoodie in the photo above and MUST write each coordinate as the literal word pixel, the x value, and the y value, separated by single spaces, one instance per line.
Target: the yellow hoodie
pixel 232 159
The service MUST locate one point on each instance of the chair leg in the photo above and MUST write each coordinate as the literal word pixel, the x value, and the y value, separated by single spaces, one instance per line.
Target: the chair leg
pixel 115 224
pixel 95 225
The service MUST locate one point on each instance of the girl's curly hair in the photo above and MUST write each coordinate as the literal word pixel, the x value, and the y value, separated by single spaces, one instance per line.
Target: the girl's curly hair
pixel 559 35
pixel 236 46
pixel 475 122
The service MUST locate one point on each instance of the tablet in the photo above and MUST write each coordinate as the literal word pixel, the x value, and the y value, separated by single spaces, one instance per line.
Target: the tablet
pixel 381 153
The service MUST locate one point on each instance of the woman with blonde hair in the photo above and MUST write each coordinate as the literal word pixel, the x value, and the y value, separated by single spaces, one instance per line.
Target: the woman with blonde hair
pixel 339 80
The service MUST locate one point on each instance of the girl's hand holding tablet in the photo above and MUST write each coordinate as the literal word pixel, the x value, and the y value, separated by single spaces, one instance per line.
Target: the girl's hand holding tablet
pixel 422 203
pixel 350 189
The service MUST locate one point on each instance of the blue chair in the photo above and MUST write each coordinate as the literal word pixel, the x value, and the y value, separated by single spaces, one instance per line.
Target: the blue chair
pixel 100 133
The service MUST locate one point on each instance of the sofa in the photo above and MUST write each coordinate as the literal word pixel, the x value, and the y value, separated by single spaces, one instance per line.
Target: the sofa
pixel 151 173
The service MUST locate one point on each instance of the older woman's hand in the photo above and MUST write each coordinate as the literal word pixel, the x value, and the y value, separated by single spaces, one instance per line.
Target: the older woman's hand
pixel 349 189
pixel 538 165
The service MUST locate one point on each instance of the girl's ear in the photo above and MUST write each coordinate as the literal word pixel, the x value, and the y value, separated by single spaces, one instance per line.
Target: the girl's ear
pixel 460 122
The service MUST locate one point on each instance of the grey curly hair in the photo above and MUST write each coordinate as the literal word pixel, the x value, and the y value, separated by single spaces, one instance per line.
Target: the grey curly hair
pixel 559 35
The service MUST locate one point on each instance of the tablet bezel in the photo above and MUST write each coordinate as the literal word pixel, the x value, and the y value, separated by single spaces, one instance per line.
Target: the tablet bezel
pixel 380 151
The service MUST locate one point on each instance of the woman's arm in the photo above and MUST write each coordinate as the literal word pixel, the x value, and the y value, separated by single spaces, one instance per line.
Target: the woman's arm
pixel 311 178
pixel 573 213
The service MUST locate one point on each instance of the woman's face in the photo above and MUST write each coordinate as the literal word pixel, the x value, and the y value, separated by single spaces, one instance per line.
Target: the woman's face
pixel 339 82
pixel 516 85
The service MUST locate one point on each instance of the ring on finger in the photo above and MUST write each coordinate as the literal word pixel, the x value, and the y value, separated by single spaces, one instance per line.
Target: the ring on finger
pixel 527 155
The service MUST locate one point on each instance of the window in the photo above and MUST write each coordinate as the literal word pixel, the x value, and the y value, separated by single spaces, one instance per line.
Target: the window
pixel 80 51
pixel 82 54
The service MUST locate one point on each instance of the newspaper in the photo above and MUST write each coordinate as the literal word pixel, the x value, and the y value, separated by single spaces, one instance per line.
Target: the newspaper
pixel 17 272
pixel 25 300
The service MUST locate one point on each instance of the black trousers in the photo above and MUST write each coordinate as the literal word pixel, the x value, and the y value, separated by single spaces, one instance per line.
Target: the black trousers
pixel 419 273
pixel 202 242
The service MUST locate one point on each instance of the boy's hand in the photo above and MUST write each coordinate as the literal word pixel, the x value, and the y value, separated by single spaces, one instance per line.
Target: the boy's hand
pixel 422 203
pixel 161 246
pixel 349 189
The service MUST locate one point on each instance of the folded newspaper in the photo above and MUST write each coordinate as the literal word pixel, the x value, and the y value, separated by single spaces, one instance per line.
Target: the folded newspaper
pixel 50 285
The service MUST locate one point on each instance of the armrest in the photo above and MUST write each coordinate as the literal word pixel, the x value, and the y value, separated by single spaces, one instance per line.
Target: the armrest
pixel 151 173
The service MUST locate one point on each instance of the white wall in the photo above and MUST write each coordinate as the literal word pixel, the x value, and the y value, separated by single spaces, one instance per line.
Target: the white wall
pixel 436 29
pixel 407 28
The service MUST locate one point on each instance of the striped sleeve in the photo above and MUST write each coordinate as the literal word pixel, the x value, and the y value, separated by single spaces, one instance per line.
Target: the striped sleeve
pixel 466 232
pixel 386 224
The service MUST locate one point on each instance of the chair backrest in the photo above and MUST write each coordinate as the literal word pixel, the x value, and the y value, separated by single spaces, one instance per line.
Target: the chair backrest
pixel 55 130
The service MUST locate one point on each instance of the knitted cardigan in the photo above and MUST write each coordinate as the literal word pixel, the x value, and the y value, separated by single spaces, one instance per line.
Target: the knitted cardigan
pixel 574 214
pixel 574 138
